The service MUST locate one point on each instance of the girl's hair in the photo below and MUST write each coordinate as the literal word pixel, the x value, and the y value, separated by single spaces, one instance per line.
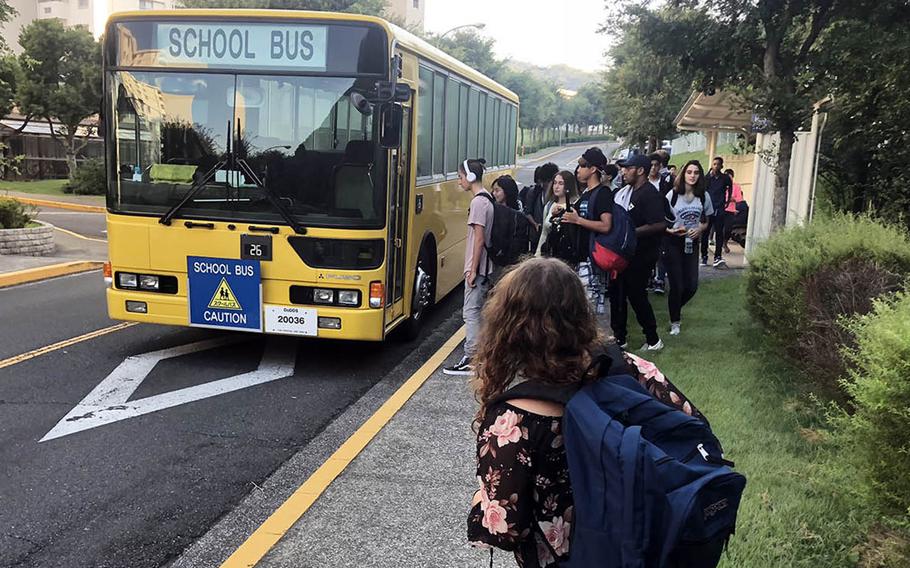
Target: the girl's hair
pixel 538 325
pixel 476 166
pixel 568 178
pixel 729 172
pixel 509 188
pixel 680 185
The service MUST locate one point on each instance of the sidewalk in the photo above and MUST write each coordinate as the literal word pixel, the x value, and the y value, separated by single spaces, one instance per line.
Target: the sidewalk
pixel 68 249
pixel 90 200
pixel 404 500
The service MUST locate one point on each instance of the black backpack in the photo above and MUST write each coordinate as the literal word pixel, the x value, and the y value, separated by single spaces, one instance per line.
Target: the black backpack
pixel 509 236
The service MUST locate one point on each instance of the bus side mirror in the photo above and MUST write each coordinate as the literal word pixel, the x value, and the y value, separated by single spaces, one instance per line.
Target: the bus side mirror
pixel 390 127
pixel 402 93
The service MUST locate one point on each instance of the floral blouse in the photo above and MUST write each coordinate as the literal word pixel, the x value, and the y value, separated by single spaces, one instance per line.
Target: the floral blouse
pixel 526 503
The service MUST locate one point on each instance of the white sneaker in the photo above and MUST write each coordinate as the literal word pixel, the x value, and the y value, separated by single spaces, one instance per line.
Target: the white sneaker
pixel 656 347
pixel 719 262
pixel 674 328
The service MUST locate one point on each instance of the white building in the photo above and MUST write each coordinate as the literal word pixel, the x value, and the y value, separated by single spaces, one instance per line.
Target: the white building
pixel 410 12
pixel 89 13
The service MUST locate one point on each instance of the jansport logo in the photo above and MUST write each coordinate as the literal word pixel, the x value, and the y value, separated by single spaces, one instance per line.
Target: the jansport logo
pixel 715 508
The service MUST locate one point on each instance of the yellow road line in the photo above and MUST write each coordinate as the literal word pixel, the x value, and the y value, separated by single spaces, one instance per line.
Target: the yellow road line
pixel 78 236
pixel 44 272
pixel 65 343
pixel 270 532
pixel 60 204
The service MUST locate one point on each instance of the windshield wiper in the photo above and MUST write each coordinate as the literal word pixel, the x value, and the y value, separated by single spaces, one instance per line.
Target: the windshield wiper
pixel 273 199
pixel 194 189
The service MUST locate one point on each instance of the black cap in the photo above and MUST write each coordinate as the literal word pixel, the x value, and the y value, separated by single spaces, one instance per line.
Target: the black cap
pixel 636 161
pixel 595 157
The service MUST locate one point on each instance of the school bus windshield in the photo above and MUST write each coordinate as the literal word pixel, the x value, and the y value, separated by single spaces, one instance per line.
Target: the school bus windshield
pixel 226 107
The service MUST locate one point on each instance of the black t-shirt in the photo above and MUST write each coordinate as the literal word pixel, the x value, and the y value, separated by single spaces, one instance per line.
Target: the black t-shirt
pixel 603 205
pixel 646 207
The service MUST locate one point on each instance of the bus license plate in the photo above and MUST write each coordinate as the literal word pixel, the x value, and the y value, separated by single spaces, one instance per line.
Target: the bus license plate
pixel 256 247
pixel 290 320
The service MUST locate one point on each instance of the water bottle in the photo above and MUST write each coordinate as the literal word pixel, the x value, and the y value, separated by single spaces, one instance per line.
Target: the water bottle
pixel 688 247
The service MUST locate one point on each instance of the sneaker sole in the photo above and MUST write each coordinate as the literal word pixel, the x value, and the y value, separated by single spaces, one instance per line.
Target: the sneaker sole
pixel 457 373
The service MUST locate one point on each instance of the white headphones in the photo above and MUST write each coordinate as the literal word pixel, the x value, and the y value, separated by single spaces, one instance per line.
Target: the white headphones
pixel 468 174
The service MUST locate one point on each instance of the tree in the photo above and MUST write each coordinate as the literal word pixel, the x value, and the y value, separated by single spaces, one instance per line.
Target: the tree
pixel 6 14
pixel 644 90
pixel 10 77
pixel 472 49
pixel 766 52
pixel 61 79
pixel 866 141
pixel 370 7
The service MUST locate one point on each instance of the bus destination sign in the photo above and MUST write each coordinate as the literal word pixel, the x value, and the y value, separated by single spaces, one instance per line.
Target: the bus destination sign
pixel 243 45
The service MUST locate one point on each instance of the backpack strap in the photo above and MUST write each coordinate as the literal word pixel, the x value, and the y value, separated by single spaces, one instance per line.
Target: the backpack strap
pixel 606 362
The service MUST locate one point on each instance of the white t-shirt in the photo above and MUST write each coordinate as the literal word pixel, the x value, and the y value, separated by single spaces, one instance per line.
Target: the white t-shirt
pixel 689 213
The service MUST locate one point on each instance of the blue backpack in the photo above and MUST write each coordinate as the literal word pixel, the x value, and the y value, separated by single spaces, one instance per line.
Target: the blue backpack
pixel 612 251
pixel 650 485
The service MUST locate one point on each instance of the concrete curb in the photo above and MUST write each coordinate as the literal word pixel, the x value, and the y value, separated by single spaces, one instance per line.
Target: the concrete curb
pixel 59 204
pixel 45 272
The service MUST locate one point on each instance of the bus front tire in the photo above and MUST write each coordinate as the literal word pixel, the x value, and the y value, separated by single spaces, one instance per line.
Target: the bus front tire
pixel 424 295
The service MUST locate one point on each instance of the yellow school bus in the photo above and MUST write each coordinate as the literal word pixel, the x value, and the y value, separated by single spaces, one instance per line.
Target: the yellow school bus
pixel 289 172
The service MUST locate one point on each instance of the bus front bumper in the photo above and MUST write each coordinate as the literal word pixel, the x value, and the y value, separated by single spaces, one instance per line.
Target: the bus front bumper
pixel 357 324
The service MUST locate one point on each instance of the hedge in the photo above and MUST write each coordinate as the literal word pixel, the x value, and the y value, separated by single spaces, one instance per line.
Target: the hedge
pixel 879 385
pixel 804 281
pixel 13 214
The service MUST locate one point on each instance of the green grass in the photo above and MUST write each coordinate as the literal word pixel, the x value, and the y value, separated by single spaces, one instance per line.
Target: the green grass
pixel 44 186
pixel 679 160
pixel 799 509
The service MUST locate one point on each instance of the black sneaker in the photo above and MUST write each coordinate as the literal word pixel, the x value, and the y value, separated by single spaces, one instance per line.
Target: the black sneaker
pixel 719 262
pixel 659 289
pixel 463 367
pixel 704 261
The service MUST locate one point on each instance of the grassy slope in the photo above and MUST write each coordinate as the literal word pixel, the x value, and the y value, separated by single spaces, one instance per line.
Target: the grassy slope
pixel 45 186
pixel 794 512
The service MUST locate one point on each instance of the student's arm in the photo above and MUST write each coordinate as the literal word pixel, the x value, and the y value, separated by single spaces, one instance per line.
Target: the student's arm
pixel 471 276
pixel 602 225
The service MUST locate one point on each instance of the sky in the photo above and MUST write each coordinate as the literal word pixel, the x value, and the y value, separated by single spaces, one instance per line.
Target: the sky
pixel 542 32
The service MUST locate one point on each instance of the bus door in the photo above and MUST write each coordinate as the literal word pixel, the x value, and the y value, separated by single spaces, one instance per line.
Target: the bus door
pixel 399 162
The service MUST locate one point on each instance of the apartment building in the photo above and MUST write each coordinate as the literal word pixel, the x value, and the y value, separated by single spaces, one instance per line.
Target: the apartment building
pixel 411 12
pixel 89 13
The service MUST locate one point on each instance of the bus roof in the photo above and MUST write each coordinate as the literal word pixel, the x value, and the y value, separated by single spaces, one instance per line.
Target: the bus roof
pixel 404 38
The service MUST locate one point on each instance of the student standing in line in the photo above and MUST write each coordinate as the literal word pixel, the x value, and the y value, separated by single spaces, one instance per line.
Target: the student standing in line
pixel 720 186
pixel 505 192
pixel 692 207
pixel 477 267
pixel 562 194
pixel 737 198
pixel 659 177
pixel 646 208
pixel 535 199
pixel 592 216
pixel 538 327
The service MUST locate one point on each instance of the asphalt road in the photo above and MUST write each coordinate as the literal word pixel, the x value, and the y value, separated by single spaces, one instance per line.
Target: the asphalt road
pixel 166 444
pixel 137 491
pixel 83 223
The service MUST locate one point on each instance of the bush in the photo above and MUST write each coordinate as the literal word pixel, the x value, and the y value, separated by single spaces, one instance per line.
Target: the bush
pixel 88 180
pixel 879 384
pixel 14 215
pixel 805 281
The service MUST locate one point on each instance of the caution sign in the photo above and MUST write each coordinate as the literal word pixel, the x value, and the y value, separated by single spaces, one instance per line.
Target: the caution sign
pixel 224 297
pixel 224 293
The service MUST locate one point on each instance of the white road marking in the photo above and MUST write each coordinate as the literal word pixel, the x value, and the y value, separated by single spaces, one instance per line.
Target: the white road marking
pixel 108 402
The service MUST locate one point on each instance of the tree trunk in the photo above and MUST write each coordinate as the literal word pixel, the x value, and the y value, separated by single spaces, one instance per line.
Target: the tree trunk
pixel 69 146
pixel 782 181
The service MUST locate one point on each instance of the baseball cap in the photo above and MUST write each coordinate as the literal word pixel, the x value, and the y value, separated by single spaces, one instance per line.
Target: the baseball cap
pixel 636 161
pixel 595 157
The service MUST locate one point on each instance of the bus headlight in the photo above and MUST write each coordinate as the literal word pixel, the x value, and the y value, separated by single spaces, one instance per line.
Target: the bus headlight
pixel 323 296
pixel 349 297
pixel 148 282
pixel 127 280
